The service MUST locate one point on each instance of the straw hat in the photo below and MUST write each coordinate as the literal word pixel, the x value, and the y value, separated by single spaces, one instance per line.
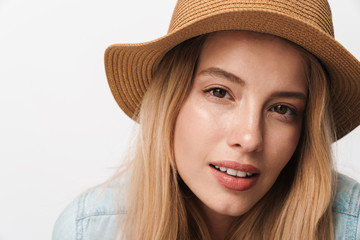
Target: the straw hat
pixel 308 23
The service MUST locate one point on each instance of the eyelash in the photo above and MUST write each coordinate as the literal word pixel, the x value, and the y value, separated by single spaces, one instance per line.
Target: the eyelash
pixel 288 115
pixel 211 92
pixel 290 112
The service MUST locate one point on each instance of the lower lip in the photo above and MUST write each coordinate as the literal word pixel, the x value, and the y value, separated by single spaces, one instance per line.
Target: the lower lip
pixel 234 183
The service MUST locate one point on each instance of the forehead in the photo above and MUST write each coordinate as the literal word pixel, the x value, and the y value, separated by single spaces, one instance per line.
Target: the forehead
pixel 264 63
pixel 253 56
pixel 246 37
pixel 256 43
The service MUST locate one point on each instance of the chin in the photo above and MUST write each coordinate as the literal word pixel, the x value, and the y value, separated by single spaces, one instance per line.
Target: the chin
pixel 235 211
pixel 231 206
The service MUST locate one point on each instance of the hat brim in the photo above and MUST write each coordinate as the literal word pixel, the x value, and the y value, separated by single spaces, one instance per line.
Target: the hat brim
pixel 129 67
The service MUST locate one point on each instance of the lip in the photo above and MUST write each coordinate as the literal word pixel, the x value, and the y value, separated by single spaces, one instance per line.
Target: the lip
pixel 234 183
pixel 237 166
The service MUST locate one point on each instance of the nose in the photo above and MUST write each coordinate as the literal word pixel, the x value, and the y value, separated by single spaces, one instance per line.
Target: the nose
pixel 246 131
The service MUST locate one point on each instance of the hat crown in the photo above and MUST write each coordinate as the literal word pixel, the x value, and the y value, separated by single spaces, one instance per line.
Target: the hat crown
pixel 314 12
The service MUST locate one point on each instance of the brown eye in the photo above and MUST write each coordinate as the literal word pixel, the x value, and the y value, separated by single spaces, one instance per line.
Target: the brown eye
pixel 281 109
pixel 218 92
pixel 284 110
pixel 284 113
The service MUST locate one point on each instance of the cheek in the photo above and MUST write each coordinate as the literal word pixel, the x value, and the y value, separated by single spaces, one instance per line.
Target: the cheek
pixel 186 137
pixel 189 132
pixel 282 145
pixel 196 133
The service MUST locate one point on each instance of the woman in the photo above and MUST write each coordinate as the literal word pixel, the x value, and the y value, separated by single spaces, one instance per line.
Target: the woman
pixel 237 105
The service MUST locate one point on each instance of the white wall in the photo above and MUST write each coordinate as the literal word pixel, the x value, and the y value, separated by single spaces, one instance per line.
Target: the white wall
pixel 60 129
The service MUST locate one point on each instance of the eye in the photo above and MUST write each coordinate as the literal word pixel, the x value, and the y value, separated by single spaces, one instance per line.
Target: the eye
pixel 218 92
pixel 283 110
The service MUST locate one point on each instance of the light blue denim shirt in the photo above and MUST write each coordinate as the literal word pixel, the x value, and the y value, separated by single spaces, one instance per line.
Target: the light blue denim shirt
pixel 95 214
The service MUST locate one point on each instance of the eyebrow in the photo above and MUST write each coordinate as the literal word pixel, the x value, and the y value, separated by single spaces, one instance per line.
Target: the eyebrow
pixel 295 95
pixel 218 72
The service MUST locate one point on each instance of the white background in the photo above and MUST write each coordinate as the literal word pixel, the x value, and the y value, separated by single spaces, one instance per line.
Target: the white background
pixel 60 129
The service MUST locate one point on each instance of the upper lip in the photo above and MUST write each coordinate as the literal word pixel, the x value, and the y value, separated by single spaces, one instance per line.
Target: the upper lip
pixel 237 166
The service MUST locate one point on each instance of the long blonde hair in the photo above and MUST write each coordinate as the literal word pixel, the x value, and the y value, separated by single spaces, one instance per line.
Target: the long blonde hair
pixel 298 206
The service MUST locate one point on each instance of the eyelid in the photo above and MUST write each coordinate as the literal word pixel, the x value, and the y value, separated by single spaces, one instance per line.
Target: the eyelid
pixel 217 85
pixel 292 109
pixel 210 88
pixel 294 114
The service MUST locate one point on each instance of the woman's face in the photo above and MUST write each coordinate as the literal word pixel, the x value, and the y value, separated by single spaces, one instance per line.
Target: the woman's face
pixel 241 122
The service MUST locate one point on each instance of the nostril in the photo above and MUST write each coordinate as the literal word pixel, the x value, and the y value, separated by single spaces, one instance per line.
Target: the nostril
pixel 248 144
pixel 247 136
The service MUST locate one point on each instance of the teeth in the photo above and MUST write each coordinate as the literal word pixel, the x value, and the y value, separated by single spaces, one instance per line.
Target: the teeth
pixel 231 172
pixel 234 172
pixel 241 174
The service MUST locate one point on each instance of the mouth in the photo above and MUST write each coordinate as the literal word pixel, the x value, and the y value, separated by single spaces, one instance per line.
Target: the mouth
pixel 233 172
pixel 235 176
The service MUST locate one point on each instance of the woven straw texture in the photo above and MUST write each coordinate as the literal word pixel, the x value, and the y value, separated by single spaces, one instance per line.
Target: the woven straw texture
pixel 308 23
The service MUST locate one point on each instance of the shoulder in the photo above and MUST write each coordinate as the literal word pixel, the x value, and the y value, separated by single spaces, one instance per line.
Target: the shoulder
pixel 346 208
pixel 347 198
pixel 92 215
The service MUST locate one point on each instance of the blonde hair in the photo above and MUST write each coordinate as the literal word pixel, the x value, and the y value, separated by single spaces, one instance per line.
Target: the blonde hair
pixel 298 206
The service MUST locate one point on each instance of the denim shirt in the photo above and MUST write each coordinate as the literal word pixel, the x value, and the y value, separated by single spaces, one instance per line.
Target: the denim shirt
pixel 95 214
